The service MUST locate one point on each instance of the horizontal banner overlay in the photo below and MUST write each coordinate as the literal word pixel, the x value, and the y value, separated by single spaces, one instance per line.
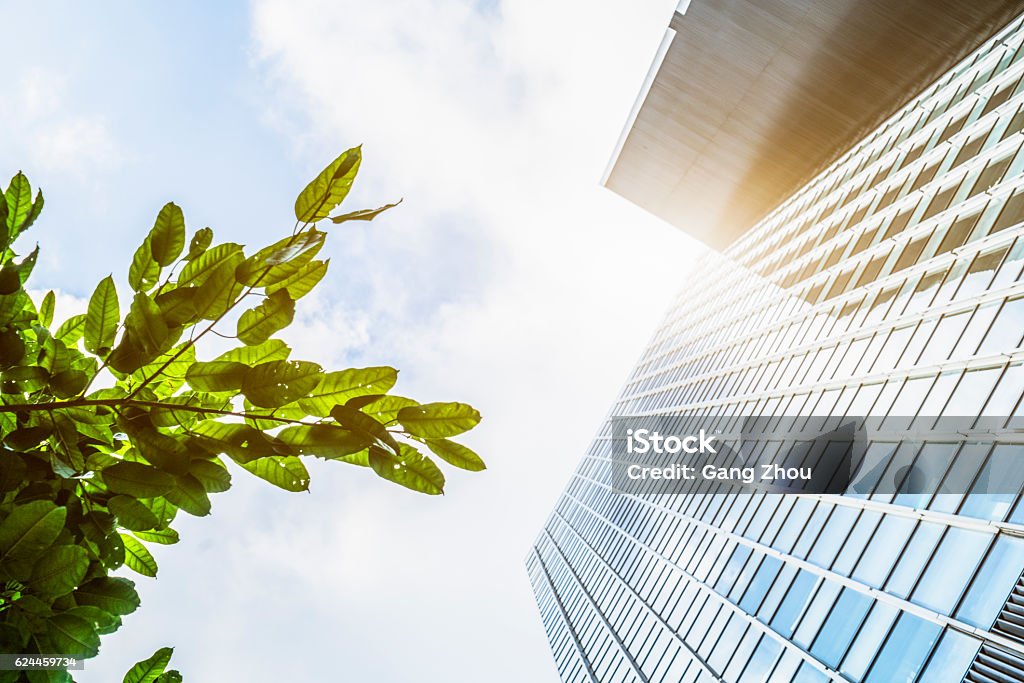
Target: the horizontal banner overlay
pixel 892 455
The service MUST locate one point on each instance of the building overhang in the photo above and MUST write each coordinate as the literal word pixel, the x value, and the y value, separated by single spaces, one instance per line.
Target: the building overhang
pixel 748 99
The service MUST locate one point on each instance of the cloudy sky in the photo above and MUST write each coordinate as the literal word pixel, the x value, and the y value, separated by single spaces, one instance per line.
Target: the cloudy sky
pixel 508 278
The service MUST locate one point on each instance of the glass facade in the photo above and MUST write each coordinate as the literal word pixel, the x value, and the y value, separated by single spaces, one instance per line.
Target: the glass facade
pixel 891 284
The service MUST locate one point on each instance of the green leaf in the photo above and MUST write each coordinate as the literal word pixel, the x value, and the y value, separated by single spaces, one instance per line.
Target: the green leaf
pixel 213 476
pixel 272 349
pixel 30 528
pixel 9 280
pixel 190 496
pixel 438 420
pixel 102 622
pixel 220 291
pixel 328 189
pixel 46 309
pixel 69 383
pixel 303 281
pixel 169 416
pixel 59 570
pixel 171 676
pixel 201 241
pixel 217 375
pixel 178 305
pixel 33 214
pixel 101 318
pixel 131 514
pixel 325 441
pixel 12 348
pixel 412 470
pixel 241 442
pixel 19 203
pixel 257 324
pixel 144 272
pixel 283 471
pixel 385 409
pixel 338 387
pixel 137 480
pixel 364 214
pixel 456 454
pixel 198 270
pixel 273 384
pixel 27 378
pixel 137 557
pixel 72 635
pixel 280 260
pixel 71 330
pixel 167 238
pixel 164 510
pixel 147 326
pixel 363 425
pixel 111 594
pixel 171 365
pixel 161 536
pixel 148 670
pixel 164 451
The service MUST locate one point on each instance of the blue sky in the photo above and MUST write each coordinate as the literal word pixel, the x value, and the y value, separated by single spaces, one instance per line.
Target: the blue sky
pixel 507 278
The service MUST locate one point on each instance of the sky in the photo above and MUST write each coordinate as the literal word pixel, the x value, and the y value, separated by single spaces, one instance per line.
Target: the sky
pixel 508 278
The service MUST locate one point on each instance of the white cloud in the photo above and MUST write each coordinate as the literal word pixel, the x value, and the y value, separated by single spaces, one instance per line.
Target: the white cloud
pixel 57 138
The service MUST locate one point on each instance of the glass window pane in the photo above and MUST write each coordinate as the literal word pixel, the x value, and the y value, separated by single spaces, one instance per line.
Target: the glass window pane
pixel 954 654
pixel 905 650
pixel 950 569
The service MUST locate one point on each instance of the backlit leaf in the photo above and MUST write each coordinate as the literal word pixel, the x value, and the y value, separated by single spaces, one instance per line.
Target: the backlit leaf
pixel 46 309
pixel 137 556
pixel 200 242
pixel 438 420
pixel 325 441
pixel 30 528
pixel 102 318
pixel 19 203
pixel 456 454
pixel 189 495
pixel 71 330
pixel 59 570
pixel 131 514
pixel 336 388
pixel 273 384
pixel 272 349
pixel 138 480
pixel 72 635
pixel 219 291
pixel 150 669
pixel 283 471
pixel 257 324
pixel 280 260
pixel 147 326
pixel 364 214
pixel 111 594
pixel 303 280
pixel 167 238
pixel 161 536
pixel 144 273
pixel 199 269
pixel 213 476
pixel 412 470
pixel 217 375
pixel 325 192
pixel 365 426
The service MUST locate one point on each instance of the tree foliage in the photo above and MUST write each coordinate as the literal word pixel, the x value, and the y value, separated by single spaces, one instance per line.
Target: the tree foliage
pixel 112 422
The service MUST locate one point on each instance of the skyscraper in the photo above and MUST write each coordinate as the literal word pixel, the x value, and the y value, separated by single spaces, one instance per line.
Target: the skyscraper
pixel 890 284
